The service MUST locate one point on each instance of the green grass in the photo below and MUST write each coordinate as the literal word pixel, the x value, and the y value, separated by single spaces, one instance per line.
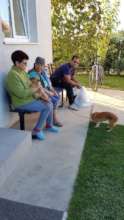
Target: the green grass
pixel 110 82
pixel 99 188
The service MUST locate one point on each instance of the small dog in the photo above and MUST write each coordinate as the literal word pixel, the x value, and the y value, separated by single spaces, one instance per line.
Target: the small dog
pixel 98 117
pixel 35 83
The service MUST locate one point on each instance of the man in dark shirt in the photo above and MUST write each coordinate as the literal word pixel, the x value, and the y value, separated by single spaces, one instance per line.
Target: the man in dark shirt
pixel 63 77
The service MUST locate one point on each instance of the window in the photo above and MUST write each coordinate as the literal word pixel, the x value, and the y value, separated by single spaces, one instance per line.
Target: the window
pixel 15 12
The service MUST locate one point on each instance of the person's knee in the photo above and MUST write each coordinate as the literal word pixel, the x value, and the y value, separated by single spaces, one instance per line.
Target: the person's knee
pixel 44 106
pixel 49 106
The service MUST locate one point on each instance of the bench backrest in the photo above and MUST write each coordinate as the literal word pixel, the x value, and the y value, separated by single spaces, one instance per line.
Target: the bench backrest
pixel 51 68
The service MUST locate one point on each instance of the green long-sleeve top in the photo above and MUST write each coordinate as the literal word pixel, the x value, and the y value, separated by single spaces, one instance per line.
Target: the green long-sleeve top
pixel 18 86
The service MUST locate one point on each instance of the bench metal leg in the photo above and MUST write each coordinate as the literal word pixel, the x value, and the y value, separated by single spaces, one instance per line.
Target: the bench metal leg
pixel 22 121
pixel 62 100
pixel 66 97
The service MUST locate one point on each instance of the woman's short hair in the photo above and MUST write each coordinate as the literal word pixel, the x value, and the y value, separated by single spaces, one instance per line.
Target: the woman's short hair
pixel 19 56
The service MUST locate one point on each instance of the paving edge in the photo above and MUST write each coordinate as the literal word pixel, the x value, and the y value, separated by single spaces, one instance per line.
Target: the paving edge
pixel 65 215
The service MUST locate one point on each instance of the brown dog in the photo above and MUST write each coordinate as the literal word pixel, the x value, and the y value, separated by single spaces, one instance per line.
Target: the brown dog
pixel 98 117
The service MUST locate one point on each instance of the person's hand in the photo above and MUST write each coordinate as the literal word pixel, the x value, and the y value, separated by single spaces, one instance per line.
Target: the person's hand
pixel 46 98
pixel 78 86
pixel 55 93
pixel 51 93
pixel 40 88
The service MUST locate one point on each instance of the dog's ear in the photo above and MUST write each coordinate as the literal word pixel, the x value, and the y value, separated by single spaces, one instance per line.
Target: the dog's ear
pixel 94 115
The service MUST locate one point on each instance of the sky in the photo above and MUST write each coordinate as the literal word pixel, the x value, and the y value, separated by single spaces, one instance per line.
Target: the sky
pixel 4 13
pixel 121 15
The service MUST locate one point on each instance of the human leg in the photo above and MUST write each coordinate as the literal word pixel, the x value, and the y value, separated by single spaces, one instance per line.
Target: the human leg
pixel 39 106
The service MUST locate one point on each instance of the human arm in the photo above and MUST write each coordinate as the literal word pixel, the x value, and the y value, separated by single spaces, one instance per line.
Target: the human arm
pixel 44 95
pixel 49 92
pixel 75 80
pixel 68 79
pixel 18 87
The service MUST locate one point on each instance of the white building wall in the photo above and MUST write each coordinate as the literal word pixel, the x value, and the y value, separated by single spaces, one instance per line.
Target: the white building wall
pixel 41 48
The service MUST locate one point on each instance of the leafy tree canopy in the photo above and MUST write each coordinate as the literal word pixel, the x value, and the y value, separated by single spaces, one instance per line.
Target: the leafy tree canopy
pixel 82 27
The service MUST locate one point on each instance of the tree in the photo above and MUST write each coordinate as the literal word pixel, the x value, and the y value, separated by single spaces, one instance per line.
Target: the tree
pixel 115 54
pixel 82 27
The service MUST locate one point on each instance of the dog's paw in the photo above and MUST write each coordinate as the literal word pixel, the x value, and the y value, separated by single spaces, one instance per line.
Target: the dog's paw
pixel 97 125
pixel 109 130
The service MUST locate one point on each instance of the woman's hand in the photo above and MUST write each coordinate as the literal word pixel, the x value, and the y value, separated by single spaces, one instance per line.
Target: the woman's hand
pixel 55 93
pixel 51 93
pixel 45 97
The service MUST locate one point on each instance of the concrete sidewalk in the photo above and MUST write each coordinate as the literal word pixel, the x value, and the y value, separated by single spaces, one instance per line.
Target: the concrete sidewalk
pixel 47 175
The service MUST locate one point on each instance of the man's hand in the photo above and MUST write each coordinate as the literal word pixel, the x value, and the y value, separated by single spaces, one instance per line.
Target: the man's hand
pixel 78 86
pixel 72 82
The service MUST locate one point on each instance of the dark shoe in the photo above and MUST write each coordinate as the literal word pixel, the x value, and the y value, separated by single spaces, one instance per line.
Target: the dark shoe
pixel 38 135
pixel 58 124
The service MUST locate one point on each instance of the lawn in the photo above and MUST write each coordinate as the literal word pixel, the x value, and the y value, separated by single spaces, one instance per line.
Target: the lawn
pixel 110 82
pixel 99 188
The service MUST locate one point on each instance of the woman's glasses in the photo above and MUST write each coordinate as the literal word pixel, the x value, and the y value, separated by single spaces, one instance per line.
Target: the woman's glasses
pixel 24 63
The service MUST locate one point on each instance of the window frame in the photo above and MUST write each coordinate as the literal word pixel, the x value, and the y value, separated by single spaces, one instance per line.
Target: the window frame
pixel 15 37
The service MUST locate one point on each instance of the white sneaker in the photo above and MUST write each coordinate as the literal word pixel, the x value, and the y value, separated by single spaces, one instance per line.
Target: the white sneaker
pixel 73 107
pixel 88 104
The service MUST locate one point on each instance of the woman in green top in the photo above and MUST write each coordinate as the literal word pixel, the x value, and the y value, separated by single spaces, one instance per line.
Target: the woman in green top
pixel 24 97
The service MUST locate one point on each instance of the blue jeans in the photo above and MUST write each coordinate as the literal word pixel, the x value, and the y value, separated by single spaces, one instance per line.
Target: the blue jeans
pixel 55 99
pixel 45 109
